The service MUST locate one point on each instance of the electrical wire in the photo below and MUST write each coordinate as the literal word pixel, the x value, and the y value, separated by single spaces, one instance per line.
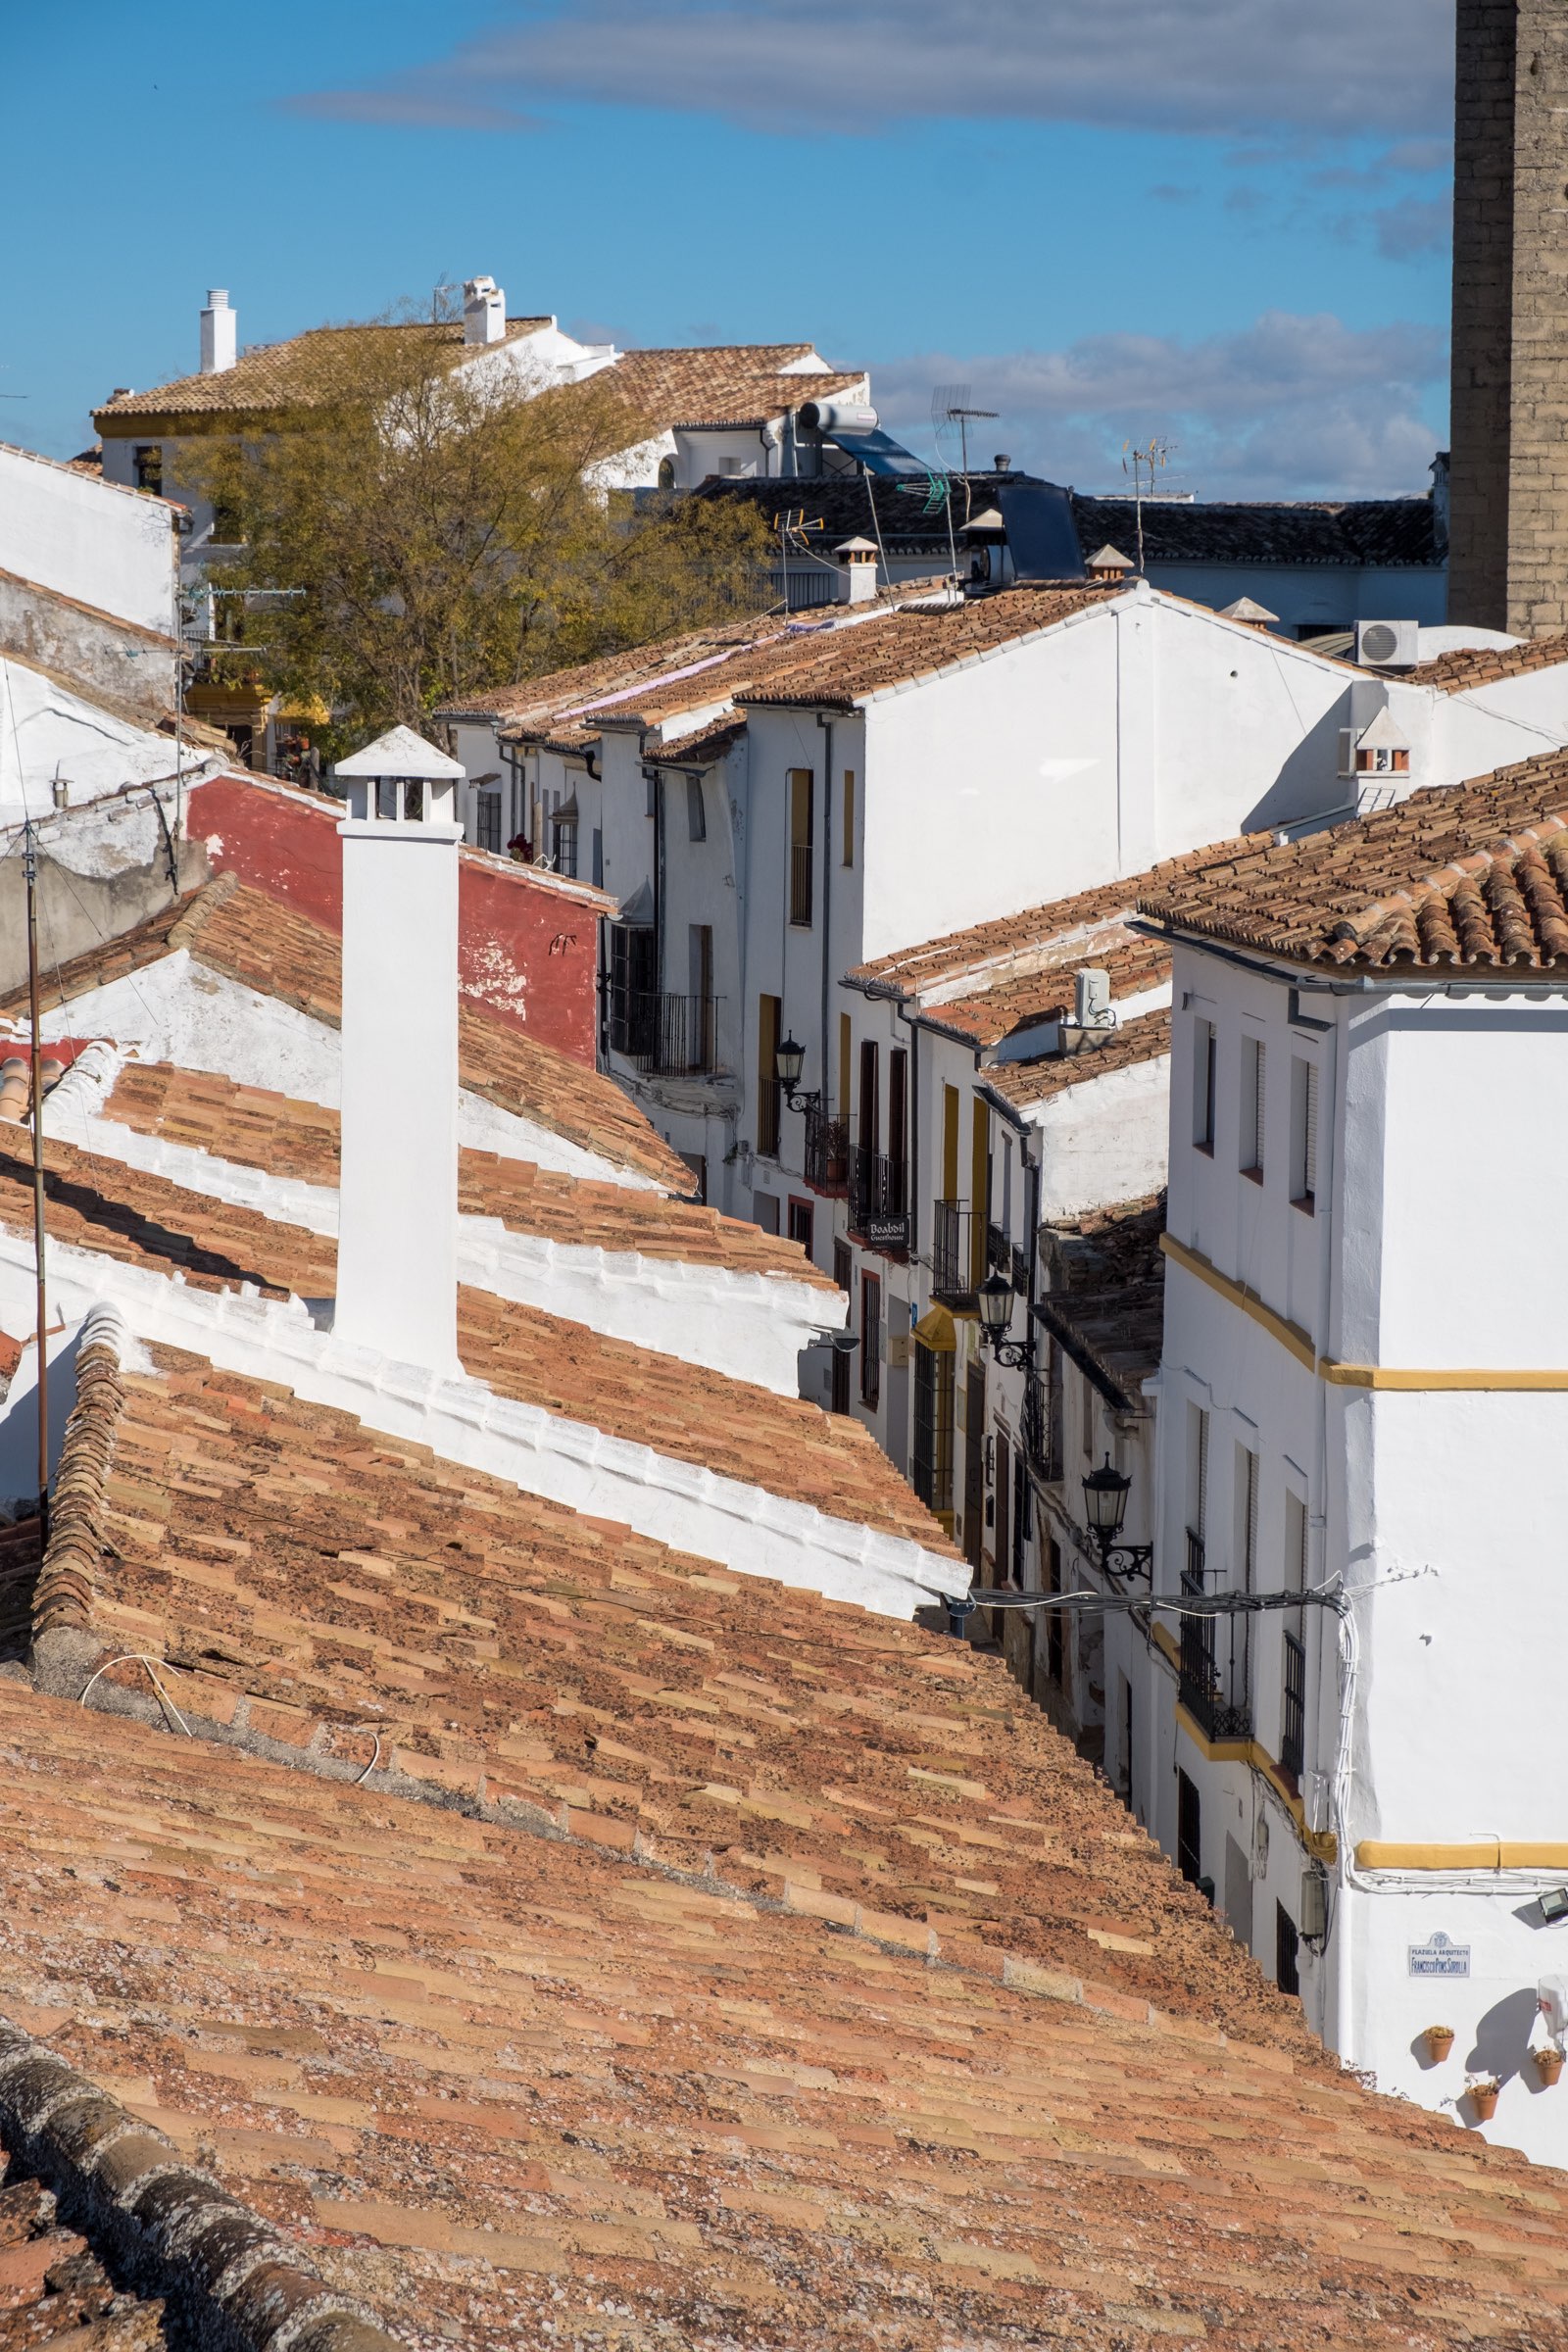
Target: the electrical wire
pixel 136 1657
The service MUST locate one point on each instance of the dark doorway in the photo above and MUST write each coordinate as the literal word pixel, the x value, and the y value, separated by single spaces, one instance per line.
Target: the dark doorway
pixel 975 1466
pixel 1189 1829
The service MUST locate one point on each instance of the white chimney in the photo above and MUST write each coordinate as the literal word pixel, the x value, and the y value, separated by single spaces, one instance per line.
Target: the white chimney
pixel 484 312
pixel 397 1249
pixel 220 329
pixel 856 571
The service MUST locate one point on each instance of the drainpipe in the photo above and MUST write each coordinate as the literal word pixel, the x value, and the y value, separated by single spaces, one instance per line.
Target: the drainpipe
pixel 827 725
pixel 658 775
pixel 914 1027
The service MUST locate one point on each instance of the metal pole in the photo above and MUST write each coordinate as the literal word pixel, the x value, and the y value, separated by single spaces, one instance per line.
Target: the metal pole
pixel 31 868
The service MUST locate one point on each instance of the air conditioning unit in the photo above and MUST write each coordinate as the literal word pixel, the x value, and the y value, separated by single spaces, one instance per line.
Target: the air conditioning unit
pixel 1388 643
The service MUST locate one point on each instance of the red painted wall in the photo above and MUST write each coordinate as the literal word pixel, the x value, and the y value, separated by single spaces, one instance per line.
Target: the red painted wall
pixel 527 949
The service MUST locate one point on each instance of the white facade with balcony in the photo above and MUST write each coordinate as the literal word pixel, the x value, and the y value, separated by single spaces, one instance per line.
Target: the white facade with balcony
pixel 1365 1392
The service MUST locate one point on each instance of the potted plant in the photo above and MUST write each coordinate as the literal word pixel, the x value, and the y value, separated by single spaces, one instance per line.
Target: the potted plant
pixel 1481 2091
pixel 1440 2041
pixel 1548 2063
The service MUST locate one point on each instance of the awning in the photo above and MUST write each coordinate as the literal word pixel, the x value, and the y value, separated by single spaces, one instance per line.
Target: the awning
pixel 936 1330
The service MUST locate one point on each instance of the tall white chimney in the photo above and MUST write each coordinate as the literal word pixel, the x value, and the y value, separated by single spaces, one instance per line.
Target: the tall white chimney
pixel 220 329
pixel 484 312
pixel 397 1246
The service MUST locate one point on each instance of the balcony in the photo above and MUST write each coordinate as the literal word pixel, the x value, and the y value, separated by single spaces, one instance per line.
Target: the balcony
pixel 827 1152
pixel 998 1254
pixel 879 1201
pixel 667 1035
pixel 1214 1673
pixel 951 1255
pixel 801 885
pixel 1042 1429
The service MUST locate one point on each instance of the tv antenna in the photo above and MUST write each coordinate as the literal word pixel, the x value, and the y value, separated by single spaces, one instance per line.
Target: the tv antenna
pixel 951 406
pixel 1143 464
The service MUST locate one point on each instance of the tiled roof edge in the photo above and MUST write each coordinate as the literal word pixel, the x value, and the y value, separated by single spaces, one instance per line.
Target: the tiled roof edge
pixel 223 2270
pixel 68 1580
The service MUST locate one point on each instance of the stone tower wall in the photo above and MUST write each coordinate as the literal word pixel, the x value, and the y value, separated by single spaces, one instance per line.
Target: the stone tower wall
pixel 1508 529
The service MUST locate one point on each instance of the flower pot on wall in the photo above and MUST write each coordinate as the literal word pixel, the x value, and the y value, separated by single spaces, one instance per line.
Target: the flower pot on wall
pixel 1484 2099
pixel 1440 2041
pixel 1548 2063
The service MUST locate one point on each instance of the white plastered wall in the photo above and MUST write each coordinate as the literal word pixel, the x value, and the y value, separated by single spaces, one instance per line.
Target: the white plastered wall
pixel 90 540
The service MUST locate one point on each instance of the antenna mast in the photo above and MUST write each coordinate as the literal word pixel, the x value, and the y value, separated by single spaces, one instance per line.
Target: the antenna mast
pixel 29 861
pixel 1135 462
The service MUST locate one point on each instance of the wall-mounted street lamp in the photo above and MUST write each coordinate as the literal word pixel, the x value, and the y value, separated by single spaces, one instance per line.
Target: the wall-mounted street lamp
pixel 995 1300
pixel 1105 1493
pixel 789 1059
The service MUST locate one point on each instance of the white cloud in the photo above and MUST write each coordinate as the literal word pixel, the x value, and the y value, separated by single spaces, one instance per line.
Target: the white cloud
pixel 1287 407
pixel 1223 67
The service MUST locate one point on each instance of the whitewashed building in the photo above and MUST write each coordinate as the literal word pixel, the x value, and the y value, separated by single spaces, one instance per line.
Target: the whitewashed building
pixel 1361 1407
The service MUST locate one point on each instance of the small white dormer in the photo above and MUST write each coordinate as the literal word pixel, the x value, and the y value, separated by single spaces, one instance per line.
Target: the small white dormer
pixel 400 779
pixel 1377 749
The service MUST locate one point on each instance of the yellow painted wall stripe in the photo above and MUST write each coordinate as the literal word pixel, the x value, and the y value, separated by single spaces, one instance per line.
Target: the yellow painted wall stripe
pixel 1508 1853
pixel 1388 1377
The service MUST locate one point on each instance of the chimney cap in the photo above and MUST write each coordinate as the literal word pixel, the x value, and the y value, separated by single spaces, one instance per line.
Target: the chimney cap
pixel 857 550
pixel 1247 609
pixel 1111 558
pixel 217 298
pixel 402 754
pixel 989 518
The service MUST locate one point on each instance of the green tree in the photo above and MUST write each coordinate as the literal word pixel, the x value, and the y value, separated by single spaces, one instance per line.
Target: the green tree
pixel 415 530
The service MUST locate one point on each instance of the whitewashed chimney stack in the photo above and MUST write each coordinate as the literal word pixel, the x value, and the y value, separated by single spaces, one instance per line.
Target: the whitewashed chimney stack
pixel 397 1251
pixel 484 312
pixel 220 334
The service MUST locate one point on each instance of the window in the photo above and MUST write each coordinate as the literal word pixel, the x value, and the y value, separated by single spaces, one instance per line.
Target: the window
pixel 1293 1697
pixel 599 857
pixel 566 828
pixel 848 816
pixel 1197 1471
pixel 801 1223
pixel 1205 1060
pixel 802 802
pixel 766 1207
pixel 487 820
pixel 1303 1134
pixel 698 1046
pixel 1002 1479
pixel 870 1100
pixel 1287 1951
pixel 1125 1717
pixel 846 1062
pixel 1189 1830
pixel 667 473
pixel 1246 1469
pixel 696 814
pixel 697 1162
pixel 1254 1070
pixel 898 1128
pixel 932 1466
pixel 871 1339
pixel 148 465
pixel 843 1266
pixel 631 984
pixel 770 1016
pixel 1056 1619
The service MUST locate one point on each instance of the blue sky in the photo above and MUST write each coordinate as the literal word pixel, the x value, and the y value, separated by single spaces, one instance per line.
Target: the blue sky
pixel 1220 221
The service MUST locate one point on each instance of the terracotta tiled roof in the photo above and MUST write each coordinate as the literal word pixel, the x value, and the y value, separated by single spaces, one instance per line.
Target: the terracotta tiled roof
pixel 836 667
pixel 723 383
pixel 680 1410
pixel 1023 1000
pixel 1022 1083
pixel 703 746
pixel 538 706
pixel 281 952
pixel 279 375
pixel 1489 664
pixel 1459 876
pixel 511 2091
pixel 1357 531
pixel 52 2288
pixel 1105 1299
pixel 261 1130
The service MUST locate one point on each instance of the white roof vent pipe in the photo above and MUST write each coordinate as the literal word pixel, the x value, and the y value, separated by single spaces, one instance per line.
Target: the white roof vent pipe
pixel 397 1253
pixel 484 312
pixel 220 334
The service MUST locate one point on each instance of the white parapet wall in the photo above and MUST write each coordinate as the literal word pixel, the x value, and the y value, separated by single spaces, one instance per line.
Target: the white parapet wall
pixel 692 1509
pixel 750 1327
pixel 89 540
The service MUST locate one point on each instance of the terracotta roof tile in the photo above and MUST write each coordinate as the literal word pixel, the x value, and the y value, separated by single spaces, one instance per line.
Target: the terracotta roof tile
pixel 682 1411
pixel 840 666
pixel 723 383
pixel 1144 1038
pixel 511 2090
pixel 1489 664
pixel 277 375
pixel 257 1129
pixel 281 952
pixel 1460 876
pixel 52 2288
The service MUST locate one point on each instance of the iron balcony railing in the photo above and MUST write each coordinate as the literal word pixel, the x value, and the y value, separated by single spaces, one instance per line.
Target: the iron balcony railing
pixel 1216 1660
pixel 667 1035
pixel 952 1252
pixel 999 1253
pixel 801 884
pixel 827 1152
pixel 879 1200
pixel 1042 1429
pixel 1293 1730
